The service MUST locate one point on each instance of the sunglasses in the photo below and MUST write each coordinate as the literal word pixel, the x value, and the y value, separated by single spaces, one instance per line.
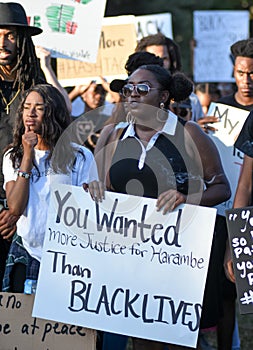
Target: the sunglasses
pixel 141 89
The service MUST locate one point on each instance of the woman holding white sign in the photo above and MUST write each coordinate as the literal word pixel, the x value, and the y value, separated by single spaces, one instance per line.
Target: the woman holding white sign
pixel 159 155
pixel 30 168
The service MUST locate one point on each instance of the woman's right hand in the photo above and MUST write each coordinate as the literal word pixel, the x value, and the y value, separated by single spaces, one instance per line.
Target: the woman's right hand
pixel 96 190
pixel 228 264
pixel 29 139
pixel 169 200
pixel 205 123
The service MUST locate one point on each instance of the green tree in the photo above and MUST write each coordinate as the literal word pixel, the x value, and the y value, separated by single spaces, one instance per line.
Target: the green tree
pixel 181 11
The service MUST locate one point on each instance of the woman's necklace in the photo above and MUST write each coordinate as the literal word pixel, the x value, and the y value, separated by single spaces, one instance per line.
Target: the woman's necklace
pixel 7 104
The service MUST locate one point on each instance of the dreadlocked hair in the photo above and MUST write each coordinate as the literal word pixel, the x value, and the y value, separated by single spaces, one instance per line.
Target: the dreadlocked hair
pixel 55 120
pixel 28 71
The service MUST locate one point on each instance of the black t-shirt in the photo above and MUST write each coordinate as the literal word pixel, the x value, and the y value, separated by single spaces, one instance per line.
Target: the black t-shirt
pixel 244 141
pixel 231 101
pixel 7 121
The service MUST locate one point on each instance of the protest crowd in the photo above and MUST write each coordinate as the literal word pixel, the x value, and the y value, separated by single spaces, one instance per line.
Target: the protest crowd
pixel 151 138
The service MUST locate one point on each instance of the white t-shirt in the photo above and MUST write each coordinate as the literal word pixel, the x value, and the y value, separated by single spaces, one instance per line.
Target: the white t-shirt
pixel 32 223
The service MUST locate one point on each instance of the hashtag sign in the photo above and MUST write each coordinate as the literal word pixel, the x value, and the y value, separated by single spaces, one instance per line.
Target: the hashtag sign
pixel 240 228
pixel 248 298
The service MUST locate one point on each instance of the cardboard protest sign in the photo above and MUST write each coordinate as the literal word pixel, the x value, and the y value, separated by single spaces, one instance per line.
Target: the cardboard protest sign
pixel 214 32
pixel 20 331
pixel 240 230
pixel 117 41
pixel 228 129
pixel 70 28
pixel 123 267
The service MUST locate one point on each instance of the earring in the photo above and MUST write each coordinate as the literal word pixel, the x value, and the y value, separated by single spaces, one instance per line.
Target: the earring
pixel 129 118
pixel 161 114
pixel 161 105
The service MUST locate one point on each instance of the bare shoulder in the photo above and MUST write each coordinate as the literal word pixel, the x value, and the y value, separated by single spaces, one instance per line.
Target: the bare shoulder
pixel 194 131
pixel 194 128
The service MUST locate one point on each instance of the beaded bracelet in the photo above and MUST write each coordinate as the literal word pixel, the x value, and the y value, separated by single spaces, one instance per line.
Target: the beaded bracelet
pixel 24 174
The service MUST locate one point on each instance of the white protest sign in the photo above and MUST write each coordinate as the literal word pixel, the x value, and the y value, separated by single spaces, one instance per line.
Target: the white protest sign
pixel 70 28
pixel 123 267
pixel 20 331
pixel 228 129
pixel 153 24
pixel 214 32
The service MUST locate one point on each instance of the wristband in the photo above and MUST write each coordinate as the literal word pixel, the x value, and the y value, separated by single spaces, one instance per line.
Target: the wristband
pixel 24 174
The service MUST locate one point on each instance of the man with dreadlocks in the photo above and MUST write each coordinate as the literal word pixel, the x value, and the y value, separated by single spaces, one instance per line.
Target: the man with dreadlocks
pixel 19 70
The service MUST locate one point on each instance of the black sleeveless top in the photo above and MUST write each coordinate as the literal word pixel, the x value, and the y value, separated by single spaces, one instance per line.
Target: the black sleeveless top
pixel 166 166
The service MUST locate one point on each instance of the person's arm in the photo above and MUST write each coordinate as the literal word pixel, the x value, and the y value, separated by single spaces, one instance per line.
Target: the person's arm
pixel 204 155
pixel 17 192
pixel 45 64
pixel 102 151
pixel 7 224
pixel 77 91
pixel 114 97
pixel 217 185
pixel 244 187
pixel 242 199
pixel 207 123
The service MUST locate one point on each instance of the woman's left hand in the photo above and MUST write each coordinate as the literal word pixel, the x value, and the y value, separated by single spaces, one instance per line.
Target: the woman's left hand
pixel 96 189
pixel 169 200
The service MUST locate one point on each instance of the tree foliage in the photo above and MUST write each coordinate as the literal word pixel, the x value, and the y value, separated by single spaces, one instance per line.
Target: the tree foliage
pixel 181 11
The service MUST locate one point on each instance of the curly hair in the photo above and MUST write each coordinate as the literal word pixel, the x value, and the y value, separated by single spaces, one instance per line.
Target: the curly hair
pixel 242 48
pixel 141 58
pixel 56 119
pixel 172 47
pixel 178 84
pixel 28 71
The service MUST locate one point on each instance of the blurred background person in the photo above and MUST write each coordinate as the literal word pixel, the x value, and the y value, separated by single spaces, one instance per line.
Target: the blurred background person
pixel 207 93
pixel 169 51
pixel 90 107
